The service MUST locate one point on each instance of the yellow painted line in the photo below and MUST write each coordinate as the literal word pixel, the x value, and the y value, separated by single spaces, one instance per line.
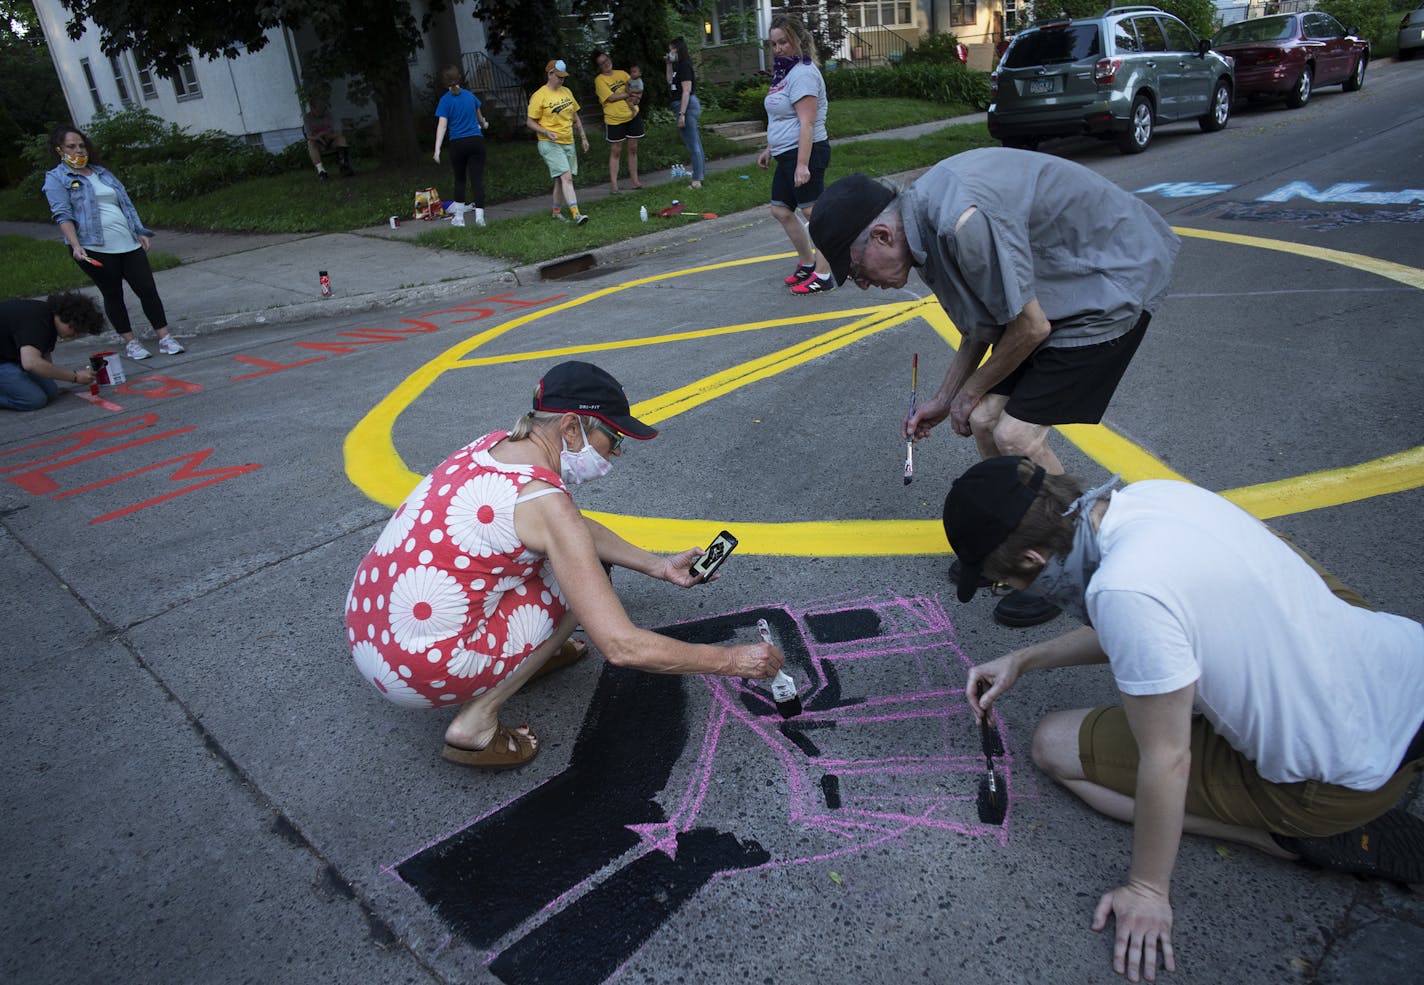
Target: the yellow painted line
pixel 1317 490
pixel 708 388
pixel 1117 454
pixel 692 336
pixel 819 538
pixel 374 465
pixel 1412 276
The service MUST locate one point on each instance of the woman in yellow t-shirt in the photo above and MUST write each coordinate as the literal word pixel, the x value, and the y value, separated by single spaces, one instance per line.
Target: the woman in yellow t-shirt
pixel 553 115
pixel 622 122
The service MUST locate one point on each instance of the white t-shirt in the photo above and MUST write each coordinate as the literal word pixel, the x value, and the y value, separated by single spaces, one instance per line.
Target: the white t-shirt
pixel 783 126
pixel 1193 589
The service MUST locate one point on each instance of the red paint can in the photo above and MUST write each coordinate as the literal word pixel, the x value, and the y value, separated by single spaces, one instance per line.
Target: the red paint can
pixel 325 284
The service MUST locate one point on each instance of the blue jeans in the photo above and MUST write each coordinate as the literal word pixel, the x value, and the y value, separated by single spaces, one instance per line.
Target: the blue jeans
pixel 20 390
pixel 689 135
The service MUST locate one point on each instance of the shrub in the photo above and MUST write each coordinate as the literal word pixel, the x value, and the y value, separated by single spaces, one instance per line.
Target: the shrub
pixel 159 161
pixel 934 49
pixel 939 83
pixel 1376 20
pixel 751 102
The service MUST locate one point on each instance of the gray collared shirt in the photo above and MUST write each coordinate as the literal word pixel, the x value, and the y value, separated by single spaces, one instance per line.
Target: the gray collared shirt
pixel 1093 256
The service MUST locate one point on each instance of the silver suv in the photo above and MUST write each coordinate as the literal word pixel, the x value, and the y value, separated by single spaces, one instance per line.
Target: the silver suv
pixel 1115 76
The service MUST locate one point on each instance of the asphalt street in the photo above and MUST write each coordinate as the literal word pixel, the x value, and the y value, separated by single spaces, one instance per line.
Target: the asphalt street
pixel 200 788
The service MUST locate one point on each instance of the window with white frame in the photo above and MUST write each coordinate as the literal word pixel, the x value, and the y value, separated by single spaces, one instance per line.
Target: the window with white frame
pixel 93 86
pixel 121 81
pixel 146 84
pixel 886 13
pixel 185 83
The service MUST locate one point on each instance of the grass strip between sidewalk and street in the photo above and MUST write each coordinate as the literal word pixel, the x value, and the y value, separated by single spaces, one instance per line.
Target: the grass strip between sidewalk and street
pixel 538 237
pixel 30 268
pixel 296 202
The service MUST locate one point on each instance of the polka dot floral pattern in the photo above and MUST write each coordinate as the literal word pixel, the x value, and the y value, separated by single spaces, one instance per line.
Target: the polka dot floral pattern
pixel 448 601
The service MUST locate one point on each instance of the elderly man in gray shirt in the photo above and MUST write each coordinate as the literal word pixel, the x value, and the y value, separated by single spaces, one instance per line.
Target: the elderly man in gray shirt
pixel 1041 263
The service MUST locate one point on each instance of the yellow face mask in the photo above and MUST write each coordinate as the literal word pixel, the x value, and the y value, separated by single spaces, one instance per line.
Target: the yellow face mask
pixel 76 161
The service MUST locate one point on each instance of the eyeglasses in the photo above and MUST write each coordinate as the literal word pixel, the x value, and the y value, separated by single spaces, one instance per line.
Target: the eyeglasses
pixel 613 436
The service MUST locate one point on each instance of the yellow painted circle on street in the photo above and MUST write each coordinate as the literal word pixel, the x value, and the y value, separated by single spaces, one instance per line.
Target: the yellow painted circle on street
pixel 376 468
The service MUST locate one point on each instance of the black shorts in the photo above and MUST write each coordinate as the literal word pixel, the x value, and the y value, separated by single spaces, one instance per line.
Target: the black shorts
pixel 783 183
pixel 1072 385
pixel 616 133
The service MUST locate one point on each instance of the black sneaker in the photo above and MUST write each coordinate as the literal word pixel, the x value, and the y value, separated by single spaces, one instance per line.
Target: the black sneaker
pixel 1020 609
pixel 1389 847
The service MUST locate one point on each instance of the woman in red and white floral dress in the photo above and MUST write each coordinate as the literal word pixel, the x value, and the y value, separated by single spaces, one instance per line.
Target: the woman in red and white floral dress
pixel 474 586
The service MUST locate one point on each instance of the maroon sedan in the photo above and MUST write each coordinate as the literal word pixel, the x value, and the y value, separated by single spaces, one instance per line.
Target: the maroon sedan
pixel 1289 55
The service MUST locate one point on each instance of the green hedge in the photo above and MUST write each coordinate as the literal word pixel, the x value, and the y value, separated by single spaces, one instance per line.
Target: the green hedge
pixel 940 83
pixel 158 161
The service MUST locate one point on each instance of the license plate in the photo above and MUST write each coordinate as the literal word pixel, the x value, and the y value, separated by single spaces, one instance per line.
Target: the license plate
pixel 1037 86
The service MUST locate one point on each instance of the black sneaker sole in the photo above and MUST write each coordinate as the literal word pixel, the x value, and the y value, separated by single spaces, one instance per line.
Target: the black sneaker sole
pixel 1389 847
pixel 1012 612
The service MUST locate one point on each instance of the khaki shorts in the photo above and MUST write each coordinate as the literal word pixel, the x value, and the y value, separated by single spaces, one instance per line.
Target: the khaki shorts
pixel 559 158
pixel 1224 784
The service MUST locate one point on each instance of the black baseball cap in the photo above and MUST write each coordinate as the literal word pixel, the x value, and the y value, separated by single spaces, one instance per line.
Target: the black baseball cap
pixel 841 214
pixel 583 388
pixel 983 507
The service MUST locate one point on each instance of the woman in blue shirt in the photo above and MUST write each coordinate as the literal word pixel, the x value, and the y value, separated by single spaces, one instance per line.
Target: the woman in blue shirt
pixel 105 237
pixel 459 112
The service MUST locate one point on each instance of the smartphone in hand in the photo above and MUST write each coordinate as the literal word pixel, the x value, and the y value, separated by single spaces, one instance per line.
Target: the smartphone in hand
pixel 722 545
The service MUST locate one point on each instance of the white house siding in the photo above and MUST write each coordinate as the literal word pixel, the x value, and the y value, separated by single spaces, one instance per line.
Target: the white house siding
pixel 254 94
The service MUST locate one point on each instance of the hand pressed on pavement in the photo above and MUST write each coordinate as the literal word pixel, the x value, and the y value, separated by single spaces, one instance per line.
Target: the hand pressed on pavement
pixel 1144 927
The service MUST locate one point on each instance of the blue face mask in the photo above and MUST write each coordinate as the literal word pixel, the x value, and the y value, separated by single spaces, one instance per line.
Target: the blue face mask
pixel 584 465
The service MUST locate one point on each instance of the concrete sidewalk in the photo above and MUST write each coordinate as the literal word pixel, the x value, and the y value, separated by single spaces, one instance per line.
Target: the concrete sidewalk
pixel 236 280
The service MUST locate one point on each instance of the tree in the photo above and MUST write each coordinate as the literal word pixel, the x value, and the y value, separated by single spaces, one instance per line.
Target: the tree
pixel 31 100
pixel 373 37
pixel 530 29
pixel 639 35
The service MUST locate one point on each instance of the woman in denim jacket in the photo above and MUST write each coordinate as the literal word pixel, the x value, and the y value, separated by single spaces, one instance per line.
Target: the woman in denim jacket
pixel 106 237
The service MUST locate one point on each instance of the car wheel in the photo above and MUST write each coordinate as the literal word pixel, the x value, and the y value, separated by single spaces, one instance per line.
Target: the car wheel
pixel 1300 95
pixel 1138 135
pixel 1220 111
pixel 1356 81
pixel 1404 54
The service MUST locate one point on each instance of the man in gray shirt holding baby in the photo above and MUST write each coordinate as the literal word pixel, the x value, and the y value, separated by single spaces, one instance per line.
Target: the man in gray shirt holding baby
pixel 1043 264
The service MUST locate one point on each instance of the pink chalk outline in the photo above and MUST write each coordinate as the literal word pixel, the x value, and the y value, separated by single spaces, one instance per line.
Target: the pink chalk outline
pixel 921 630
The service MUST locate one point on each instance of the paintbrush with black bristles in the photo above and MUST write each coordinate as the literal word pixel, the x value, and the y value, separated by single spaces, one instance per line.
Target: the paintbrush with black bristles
pixel 993 798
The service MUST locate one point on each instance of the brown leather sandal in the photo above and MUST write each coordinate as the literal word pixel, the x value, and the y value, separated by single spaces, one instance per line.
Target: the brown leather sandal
pixel 566 656
pixel 508 749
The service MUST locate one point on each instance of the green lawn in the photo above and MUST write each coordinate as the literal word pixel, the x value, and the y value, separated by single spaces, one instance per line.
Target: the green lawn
pixel 297 202
pixel 30 267
pixel 535 238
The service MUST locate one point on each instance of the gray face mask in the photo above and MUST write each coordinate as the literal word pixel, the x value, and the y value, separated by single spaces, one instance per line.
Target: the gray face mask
pixel 1064 580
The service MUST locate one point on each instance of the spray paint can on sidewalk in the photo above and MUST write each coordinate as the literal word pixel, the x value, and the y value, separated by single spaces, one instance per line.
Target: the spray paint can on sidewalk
pixel 395 222
pixel 325 284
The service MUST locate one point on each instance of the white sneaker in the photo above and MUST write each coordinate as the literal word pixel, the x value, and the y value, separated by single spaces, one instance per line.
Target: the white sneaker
pixel 480 218
pixel 170 346
pixel 135 350
pixel 458 219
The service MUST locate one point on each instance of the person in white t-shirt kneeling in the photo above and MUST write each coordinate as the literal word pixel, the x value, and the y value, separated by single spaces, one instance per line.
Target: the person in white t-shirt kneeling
pixel 1262 701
